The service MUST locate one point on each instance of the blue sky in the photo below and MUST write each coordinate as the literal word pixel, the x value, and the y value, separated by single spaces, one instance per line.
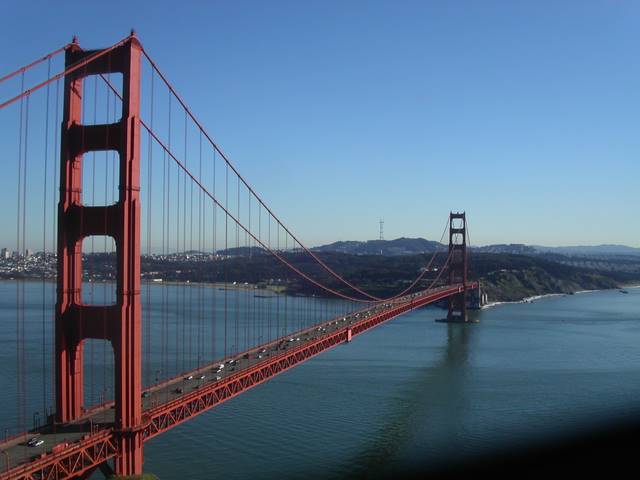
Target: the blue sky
pixel 526 114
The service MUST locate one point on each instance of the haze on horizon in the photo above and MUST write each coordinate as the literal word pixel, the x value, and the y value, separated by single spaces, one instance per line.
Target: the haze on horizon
pixel 523 114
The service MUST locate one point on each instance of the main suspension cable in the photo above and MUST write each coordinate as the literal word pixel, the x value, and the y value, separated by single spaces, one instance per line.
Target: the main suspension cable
pixel 241 178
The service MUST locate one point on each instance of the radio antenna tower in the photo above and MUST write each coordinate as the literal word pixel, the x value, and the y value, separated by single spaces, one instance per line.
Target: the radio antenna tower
pixel 381 229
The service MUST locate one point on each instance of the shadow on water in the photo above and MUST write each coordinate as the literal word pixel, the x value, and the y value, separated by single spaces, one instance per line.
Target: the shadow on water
pixel 434 398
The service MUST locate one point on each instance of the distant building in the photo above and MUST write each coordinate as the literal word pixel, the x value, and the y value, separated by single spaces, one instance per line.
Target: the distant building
pixel 28 252
pixel 5 254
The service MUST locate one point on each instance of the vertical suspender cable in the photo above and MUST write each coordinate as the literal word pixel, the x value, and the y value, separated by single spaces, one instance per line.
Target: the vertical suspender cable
pixel 179 289
pixel 236 292
pixel 149 226
pixel 286 274
pixel 19 306
pixel 214 228
pixel 24 249
pixel 198 256
pixel 106 245
pixel 44 242
pixel 190 289
pixel 226 256
pixel 54 229
pixel 93 243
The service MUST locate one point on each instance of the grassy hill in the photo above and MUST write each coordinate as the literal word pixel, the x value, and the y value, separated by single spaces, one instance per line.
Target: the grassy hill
pixel 505 277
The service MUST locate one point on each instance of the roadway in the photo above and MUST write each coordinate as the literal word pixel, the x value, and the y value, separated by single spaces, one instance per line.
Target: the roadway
pixel 101 419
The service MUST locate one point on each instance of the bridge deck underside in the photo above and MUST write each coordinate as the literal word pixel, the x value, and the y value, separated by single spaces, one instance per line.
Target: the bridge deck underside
pixel 73 449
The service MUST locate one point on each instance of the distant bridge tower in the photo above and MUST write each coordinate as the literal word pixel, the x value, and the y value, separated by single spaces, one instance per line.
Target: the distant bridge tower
pixel 458 266
pixel 120 324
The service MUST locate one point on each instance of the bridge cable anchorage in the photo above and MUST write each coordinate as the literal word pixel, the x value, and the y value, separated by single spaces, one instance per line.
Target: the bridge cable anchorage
pixel 216 147
pixel 241 179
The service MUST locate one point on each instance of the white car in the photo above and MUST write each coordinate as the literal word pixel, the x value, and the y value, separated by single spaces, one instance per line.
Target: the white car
pixel 35 442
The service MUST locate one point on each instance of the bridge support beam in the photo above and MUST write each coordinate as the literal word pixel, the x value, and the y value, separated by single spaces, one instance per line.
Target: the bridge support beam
pixel 457 311
pixel 75 321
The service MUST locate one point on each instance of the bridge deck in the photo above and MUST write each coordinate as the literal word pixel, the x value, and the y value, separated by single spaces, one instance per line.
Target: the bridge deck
pixel 72 449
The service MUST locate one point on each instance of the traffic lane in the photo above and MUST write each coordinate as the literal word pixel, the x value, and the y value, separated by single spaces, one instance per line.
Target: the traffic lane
pixel 18 452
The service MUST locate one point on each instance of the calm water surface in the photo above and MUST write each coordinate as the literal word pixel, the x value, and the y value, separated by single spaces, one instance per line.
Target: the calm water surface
pixel 412 390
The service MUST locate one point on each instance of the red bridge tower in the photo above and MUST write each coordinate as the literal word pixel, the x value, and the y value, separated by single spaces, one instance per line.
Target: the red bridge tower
pixel 458 266
pixel 120 323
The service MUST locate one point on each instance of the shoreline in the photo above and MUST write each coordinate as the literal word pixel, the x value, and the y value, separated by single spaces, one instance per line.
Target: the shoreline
pixel 524 300
pixel 547 295
pixel 278 290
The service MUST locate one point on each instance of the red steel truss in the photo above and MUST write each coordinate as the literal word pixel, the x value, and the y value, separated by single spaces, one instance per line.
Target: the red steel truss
pixel 166 416
pixel 76 459
pixel 120 324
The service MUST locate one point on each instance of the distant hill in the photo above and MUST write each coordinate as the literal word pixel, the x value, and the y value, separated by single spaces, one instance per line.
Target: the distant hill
pixel 590 250
pixel 389 248
pixel 413 246
pixel 242 251
pixel 512 248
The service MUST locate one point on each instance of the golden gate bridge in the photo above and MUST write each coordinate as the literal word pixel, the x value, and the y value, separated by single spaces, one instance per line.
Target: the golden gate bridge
pixel 140 175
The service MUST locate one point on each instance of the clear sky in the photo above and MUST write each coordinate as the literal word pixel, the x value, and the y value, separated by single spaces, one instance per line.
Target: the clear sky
pixel 526 114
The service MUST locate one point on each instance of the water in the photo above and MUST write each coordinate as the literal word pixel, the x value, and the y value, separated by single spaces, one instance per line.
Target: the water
pixel 412 390
pixel 183 327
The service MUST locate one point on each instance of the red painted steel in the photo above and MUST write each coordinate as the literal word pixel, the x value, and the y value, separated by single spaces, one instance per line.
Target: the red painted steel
pixel 167 416
pixel 75 321
pixel 86 454
pixel 457 311
pixel 68 71
pixel 73 459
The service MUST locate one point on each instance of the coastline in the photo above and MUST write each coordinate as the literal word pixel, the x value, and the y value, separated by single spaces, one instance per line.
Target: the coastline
pixel 524 300
pixel 538 297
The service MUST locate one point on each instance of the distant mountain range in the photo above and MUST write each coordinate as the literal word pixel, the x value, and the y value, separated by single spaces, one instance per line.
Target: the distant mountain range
pixel 591 250
pixel 399 246
pixel 412 246
pixel 513 248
